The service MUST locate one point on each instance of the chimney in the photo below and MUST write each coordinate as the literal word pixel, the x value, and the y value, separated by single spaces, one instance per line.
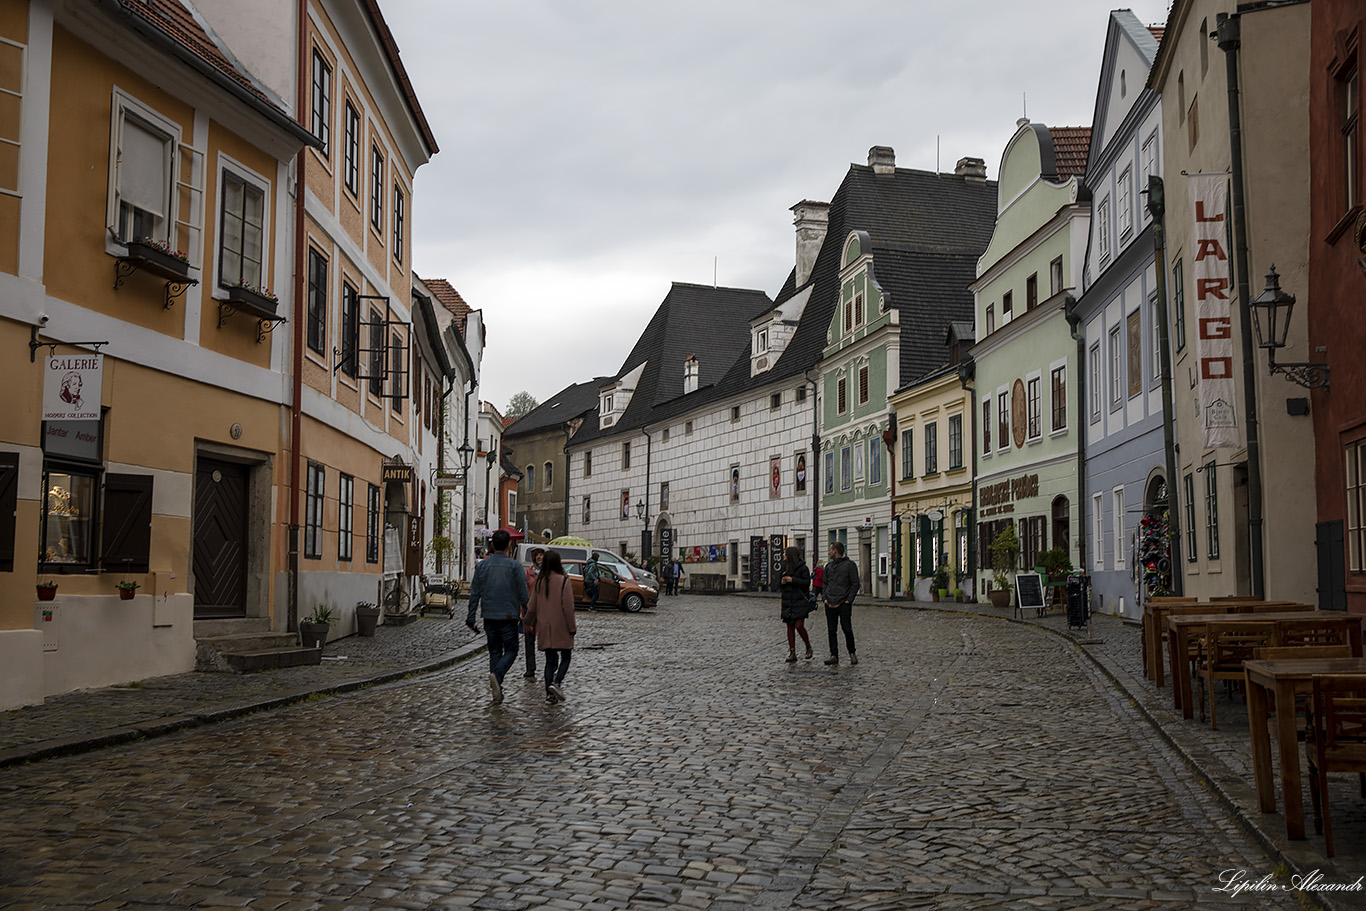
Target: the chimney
pixel 690 374
pixel 811 220
pixel 882 159
pixel 974 169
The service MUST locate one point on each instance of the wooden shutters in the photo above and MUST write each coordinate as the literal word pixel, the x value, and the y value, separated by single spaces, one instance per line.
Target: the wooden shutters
pixel 126 533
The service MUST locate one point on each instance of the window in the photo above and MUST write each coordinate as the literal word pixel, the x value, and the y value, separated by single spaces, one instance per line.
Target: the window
pixel 1135 353
pixel 1055 276
pixel 1179 305
pixel 587 510
pixel 1351 101
pixel 846 468
pixel 1181 96
pixel 625 456
pixel 775 401
pixel 735 413
pixel 351 152
pixel 874 461
pixel 863 385
pixel 398 224
pixel 1149 160
pixel 1002 420
pixel 346 510
pixel 242 242
pixel 1095 381
pixel 991 319
pixel 761 342
pixel 1118 526
pixel 908 453
pixel 588 463
pixel 842 396
pixel 143 169
pixel 372 524
pixel 955 441
pixel 830 472
pixel 849 316
pixel 313 511
pixel 1155 320
pixel 625 510
pixel 549 473
pixel 607 406
pixel 1032 292
pixel 376 189
pixel 317 301
pixel 1032 540
pixel 1124 201
pixel 986 426
pixel 73 473
pixel 322 102
pixel 665 435
pixel 858 460
pixel 687 427
pixel 932 448
pixel 350 328
pixel 1057 381
pixel 1188 486
pixel 1116 366
pixel 1193 121
pixel 1034 407
pixel 531 478
pixel 1006 306
pixel 1204 47
pixel 801 394
pixel 398 385
pixel 1354 461
pixel 1211 512
pixel 858 309
pixel 376 354
pixel 1103 230
pixel 1098 529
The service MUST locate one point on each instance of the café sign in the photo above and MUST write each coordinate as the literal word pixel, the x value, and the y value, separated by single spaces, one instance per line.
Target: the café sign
pixel 71 387
pixel 1001 497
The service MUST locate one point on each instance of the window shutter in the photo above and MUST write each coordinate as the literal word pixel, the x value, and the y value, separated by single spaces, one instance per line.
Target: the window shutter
pixel 143 181
pixel 126 532
pixel 9 502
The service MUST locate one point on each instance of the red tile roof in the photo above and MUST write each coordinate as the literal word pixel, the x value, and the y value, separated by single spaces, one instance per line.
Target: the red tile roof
pixel 1070 148
pixel 1157 31
pixel 449 298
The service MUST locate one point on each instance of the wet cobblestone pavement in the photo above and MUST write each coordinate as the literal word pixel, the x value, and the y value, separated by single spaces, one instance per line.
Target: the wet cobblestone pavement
pixel 965 763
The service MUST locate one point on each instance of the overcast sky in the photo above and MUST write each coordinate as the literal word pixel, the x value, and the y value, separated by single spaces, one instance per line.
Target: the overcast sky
pixel 593 151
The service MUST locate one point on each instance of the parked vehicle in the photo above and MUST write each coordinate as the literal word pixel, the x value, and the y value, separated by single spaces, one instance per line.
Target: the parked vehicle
pixel 614 589
pixel 605 558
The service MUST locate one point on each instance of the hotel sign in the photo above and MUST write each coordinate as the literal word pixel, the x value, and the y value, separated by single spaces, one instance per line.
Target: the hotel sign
pixel 71 387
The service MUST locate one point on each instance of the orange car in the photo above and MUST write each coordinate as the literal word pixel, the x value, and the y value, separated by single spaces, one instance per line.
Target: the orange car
pixel 613 589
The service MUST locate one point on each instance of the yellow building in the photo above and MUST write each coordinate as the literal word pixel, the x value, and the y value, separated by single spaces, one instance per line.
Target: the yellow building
pixel 144 198
pixel 932 489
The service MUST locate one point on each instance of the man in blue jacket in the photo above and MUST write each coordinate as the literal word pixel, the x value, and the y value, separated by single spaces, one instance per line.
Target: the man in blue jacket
pixel 499 588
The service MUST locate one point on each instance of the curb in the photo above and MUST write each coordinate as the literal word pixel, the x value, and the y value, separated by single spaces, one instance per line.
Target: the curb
pixel 171 724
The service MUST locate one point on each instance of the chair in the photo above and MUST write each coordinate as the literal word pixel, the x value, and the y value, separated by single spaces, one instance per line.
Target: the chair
pixel 1336 740
pixel 1323 631
pixel 1278 652
pixel 1234 598
pixel 1226 646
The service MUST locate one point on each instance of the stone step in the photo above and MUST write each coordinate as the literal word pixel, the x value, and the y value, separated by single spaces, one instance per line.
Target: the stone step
pixel 210 651
pixel 272 658
pixel 235 627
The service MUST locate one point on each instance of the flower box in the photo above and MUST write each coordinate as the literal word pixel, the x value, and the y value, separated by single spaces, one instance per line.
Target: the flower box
pixel 158 262
pixel 252 302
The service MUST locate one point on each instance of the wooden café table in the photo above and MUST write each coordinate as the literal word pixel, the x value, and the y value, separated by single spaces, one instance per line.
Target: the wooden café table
pixel 1280 680
pixel 1183 628
pixel 1155 618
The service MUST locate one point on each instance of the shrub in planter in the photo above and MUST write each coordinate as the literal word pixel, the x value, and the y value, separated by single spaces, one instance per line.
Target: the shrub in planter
pixel 47 590
pixel 126 590
pixel 313 630
pixel 1005 556
pixel 367 618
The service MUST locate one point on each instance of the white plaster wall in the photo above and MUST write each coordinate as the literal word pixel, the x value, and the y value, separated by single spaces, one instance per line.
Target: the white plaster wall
pixel 340 592
pixel 21 668
pixel 103 641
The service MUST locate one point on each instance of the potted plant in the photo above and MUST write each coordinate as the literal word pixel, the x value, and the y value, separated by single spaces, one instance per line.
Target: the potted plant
pixel 255 297
pixel 367 618
pixel 159 257
pixel 126 589
pixel 47 589
pixel 941 581
pixel 313 629
pixel 1005 555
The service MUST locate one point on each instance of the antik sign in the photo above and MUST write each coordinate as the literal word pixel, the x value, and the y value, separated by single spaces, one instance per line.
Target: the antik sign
pixel 71 387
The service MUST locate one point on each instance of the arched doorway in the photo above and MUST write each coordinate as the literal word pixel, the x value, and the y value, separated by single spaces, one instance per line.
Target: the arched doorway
pixel 1154 539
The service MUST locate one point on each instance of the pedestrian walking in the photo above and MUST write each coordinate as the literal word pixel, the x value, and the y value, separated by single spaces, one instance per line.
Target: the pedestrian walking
pixel 528 634
pixel 841 583
pixel 551 614
pixel 678 575
pixel 498 592
pixel 590 581
pixel 666 576
pixel 817 582
pixel 796 582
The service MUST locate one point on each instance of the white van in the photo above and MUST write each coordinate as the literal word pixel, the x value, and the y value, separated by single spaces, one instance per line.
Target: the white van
pixel 605 557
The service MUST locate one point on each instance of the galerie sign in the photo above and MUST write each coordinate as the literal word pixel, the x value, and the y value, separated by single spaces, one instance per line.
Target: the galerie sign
pixel 1214 332
pixel 71 387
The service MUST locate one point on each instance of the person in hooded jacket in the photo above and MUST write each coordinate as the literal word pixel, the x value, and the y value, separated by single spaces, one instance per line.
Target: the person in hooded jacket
pixel 550 615
pixel 796 582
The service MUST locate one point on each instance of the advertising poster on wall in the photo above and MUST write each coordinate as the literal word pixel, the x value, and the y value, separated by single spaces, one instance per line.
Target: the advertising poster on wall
pixel 801 473
pixel 775 476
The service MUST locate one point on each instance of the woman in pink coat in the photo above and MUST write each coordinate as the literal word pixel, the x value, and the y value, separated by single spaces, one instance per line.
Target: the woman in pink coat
pixel 550 613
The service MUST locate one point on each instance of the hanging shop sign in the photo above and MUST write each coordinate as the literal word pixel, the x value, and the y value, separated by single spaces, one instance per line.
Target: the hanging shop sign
pixel 402 474
pixel 1000 497
pixel 413 555
pixel 71 387
pixel 1214 334
pixel 777 544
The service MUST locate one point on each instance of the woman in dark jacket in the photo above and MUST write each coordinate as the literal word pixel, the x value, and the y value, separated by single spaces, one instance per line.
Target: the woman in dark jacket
pixel 796 600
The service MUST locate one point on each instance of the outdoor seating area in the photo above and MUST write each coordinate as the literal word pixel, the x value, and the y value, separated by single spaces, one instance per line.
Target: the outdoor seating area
pixel 1302 674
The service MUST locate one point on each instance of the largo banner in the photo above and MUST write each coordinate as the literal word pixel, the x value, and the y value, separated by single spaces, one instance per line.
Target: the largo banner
pixel 71 387
pixel 1213 298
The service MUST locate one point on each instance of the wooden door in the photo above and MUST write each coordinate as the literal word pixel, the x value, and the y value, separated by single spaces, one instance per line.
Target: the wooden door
pixel 220 540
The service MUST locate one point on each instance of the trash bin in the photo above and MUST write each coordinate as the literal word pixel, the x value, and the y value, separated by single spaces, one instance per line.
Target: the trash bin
pixel 1078 600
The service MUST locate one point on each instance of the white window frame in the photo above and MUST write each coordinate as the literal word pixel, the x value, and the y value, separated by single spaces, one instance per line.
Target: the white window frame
pixel 1034 406
pixel 1155 340
pixel 1118 353
pixel 1098 528
pixel 1103 229
pixel 987 425
pixel 1149 156
pixel 1093 355
pixel 874 462
pixel 846 467
pixel 1117 502
pixel 991 318
pixel 228 165
pixel 548 476
pixel 181 157
pixel 761 341
pixel 1354 478
pixel 1052 369
pixel 860 460
pixel 1003 419
pixel 1124 200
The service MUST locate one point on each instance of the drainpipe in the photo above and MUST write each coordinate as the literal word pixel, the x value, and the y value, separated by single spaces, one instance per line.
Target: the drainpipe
pixel 1074 325
pixel 1157 206
pixel 1229 41
pixel 465 487
pixel 967 372
pixel 441 464
pixel 297 336
pixel 649 442
pixel 568 459
pixel 815 470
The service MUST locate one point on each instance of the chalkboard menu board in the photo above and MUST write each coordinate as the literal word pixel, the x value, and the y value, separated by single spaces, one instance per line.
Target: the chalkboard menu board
pixel 1029 589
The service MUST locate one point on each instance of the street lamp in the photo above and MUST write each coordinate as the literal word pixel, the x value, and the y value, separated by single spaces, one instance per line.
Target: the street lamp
pixel 466 456
pixel 640 509
pixel 1271 320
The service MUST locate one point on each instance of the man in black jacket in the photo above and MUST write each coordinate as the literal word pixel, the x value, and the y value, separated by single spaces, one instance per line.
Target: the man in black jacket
pixel 841 587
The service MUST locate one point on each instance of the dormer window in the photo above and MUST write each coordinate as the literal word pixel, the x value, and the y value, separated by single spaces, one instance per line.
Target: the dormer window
pixel 761 342
pixel 690 373
pixel 607 403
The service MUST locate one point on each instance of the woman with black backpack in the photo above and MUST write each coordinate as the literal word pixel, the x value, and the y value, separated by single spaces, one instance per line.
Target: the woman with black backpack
pixel 796 584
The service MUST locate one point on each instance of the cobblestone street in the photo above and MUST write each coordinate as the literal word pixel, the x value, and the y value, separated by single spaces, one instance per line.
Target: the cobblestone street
pixel 964 763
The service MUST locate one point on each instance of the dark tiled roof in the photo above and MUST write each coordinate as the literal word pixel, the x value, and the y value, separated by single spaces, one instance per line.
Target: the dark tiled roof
pixel 449 298
pixel 931 291
pixel 569 403
pixel 1070 148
